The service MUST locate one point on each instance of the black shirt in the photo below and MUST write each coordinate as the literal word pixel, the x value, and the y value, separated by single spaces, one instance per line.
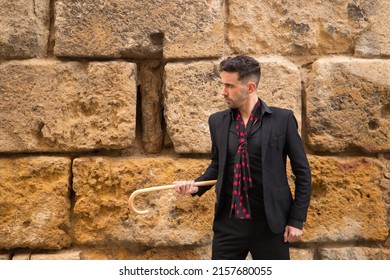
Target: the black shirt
pixel 254 150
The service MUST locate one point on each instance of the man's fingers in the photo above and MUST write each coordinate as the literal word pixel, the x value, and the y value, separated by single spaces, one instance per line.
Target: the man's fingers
pixel 285 235
pixel 180 187
pixel 292 234
pixel 184 187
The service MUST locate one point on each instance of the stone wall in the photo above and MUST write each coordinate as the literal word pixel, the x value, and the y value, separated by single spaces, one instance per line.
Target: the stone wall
pixel 101 98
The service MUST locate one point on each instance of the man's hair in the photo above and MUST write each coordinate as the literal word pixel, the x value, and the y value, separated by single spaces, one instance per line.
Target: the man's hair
pixel 245 66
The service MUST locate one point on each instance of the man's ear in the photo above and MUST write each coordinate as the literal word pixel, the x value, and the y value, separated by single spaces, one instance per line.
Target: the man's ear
pixel 251 86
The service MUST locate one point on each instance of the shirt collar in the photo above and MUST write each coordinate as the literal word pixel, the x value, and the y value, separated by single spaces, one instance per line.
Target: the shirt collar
pixel 263 109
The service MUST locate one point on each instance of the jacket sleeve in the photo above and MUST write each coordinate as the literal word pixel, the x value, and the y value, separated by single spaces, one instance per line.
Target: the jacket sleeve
pixel 301 169
pixel 211 173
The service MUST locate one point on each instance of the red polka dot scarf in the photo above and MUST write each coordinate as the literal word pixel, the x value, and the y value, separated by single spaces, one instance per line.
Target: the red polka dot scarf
pixel 240 207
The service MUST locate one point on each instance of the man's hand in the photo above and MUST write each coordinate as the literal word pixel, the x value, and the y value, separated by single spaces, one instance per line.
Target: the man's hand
pixel 185 187
pixel 292 234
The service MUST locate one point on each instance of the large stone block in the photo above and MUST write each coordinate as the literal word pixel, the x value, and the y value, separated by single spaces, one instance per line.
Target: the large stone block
pixel 302 254
pixel 21 256
pixel 280 84
pixel 5 256
pixel 24 26
pixel 61 255
pixel 150 77
pixel 193 93
pixel 102 213
pixel 347 201
pixel 385 185
pixel 48 105
pixel 157 253
pixel 376 40
pixel 351 253
pixel 348 105
pixel 177 253
pixel 142 29
pixel 297 27
pixel 34 203
pixel 167 253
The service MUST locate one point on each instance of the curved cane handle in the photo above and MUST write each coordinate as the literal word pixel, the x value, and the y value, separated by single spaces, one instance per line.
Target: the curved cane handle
pixel 160 188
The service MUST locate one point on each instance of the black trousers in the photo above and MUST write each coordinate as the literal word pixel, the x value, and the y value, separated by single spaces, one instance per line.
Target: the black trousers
pixel 234 239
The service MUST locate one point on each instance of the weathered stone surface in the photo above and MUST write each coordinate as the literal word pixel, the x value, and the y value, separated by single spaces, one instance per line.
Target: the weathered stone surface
pixel 22 256
pixel 347 202
pixel 354 253
pixel 385 186
pixel 24 26
pixel 280 84
pixel 177 253
pixel 48 105
pixel 375 41
pixel 122 28
pixel 170 253
pixel 193 93
pixel 150 75
pixel 301 254
pixel 157 253
pixel 348 105
pixel 60 255
pixel 34 203
pixel 111 252
pixel 5 256
pixel 102 213
pixel 297 27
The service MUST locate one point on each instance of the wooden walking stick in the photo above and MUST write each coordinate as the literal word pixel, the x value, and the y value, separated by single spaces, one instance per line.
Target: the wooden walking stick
pixel 160 188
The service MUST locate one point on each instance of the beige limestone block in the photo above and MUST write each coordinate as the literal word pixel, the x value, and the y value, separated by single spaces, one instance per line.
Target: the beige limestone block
pixel 376 40
pixel 354 253
pixel 302 254
pixel 177 253
pixel 291 27
pixel 48 105
pixel 24 26
pixel 193 93
pixel 21 256
pixel 150 75
pixel 347 201
pixel 348 105
pixel 102 214
pixel 139 29
pixel 34 202
pixel 111 252
pixel 156 253
pixel 385 185
pixel 60 255
pixel 280 85
pixel 5 256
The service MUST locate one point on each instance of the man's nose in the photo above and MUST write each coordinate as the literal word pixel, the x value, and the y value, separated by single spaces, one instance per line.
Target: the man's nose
pixel 224 91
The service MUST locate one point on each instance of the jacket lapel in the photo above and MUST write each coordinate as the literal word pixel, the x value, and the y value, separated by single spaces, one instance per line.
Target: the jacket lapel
pixel 266 131
pixel 224 134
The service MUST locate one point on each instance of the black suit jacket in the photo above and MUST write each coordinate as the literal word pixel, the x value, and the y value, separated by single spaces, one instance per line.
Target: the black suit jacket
pixel 280 139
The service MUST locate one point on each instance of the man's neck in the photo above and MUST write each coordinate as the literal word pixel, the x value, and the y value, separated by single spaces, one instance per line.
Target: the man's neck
pixel 246 110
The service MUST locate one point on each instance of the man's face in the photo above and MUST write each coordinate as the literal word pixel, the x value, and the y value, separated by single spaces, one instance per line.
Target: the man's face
pixel 234 91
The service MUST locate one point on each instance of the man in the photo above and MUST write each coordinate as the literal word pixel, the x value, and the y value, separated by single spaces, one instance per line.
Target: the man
pixel 255 211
